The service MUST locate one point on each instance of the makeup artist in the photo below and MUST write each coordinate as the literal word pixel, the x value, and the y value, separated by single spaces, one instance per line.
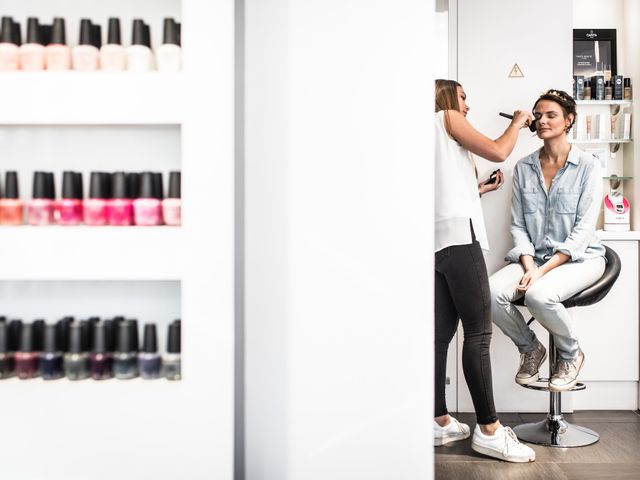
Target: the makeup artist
pixel 461 281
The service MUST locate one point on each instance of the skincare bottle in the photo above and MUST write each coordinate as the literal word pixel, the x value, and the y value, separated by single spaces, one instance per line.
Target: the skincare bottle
pixel 617 85
pixel 11 208
pixel 169 54
pixel 57 55
pixel 608 90
pixel 8 48
pixel 85 55
pixel 587 90
pixel 628 94
pixel 112 55
pixel 32 52
pixel 139 55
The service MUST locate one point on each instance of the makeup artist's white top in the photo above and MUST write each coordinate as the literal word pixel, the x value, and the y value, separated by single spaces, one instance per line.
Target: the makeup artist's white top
pixel 457 199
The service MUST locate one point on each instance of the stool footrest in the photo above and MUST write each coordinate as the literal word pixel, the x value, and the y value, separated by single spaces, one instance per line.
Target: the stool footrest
pixel 542 385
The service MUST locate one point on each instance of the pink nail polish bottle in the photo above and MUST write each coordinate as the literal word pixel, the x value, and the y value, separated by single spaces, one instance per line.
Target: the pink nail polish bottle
pixel 40 210
pixel 32 52
pixel 120 205
pixel 57 55
pixel 85 55
pixel 172 205
pixel 9 44
pixel 147 209
pixel 69 208
pixel 96 207
pixel 113 57
pixel 11 208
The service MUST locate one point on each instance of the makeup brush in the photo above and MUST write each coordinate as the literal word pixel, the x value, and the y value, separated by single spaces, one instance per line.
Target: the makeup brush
pixel 532 126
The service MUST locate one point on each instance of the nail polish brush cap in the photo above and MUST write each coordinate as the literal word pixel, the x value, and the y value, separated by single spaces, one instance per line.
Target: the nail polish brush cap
pixel 4 338
pixel 79 186
pixel 39 189
pixel 170 32
pixel 6 30
pixel 62 327
pixel 138 33
pixel 133 184
pixel 17 34
pixel 100 338
pixel 33 31
pixel 113 35
pixel 134 334
pixel 126 339
pixel 26 338
pixel 50 186
pixel 11 185
pixel 96 35
pixel 45 34
pixel 76 335
pixel 150 343
pixel 158 187
pixel 627 82
pixel 119 185
pixel 147 35
pixel 50 338
pixel 173 339
pixel 70 185
pixel 179 32
pixel 174 185
pixel 109 327
pixel 96 185
pixel 15 332
pixel 58 33
pixel 37 333
pixel 147 183
pixel 86 32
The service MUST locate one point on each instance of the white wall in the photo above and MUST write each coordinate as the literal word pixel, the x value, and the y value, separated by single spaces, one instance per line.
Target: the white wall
pixel 338 251
pixel 541 44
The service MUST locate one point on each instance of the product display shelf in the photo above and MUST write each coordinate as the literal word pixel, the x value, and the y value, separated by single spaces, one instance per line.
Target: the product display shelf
pixel 599 142
pixel 94 98
pixel 611 235
pixel 90 253
pixel 605 102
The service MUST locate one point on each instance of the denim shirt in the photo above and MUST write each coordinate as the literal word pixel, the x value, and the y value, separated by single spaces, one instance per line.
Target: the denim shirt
pixel 561 220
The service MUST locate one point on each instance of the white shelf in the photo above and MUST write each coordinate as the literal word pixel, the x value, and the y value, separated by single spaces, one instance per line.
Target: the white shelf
pixel 605 102
pixel 91 98
pixel 628 235
pixel 90 253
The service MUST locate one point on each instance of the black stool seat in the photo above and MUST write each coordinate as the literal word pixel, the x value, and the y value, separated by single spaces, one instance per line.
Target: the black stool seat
pixel 555 431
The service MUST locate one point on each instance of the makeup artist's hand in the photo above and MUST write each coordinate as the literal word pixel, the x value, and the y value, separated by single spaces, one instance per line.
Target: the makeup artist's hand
pixel 485 187
pixel 522 119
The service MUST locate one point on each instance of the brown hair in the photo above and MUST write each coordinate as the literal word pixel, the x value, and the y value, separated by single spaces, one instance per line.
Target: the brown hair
pixel 447 95
pixel 562 98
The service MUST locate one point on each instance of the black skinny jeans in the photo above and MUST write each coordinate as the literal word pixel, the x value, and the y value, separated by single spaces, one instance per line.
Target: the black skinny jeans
pixel 462 292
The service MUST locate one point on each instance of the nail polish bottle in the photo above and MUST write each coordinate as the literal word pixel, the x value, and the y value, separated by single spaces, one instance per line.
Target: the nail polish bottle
pixel 158 191
pixel 8 47
pixel 37 333
pixel 125 358
pixel 120 206
pixel 40 208
pixel 171 361
pixel 149 360
pixel 70 205
pixel 27 358
pixel 169 54
pixel 147 208
pixel 101 358
pixel 139 55
pixel 31 53
pixel 96 207
pixel 15 334
pixel 57 55
pixel 85 55
pixel 7 359
pixel 51 357
pixel 11 208
pixel 172 205
pixel 113 57
pixel 76 360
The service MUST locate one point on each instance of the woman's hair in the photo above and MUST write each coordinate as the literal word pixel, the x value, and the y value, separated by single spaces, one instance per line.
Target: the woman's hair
pixel 447 95
pixel 562 98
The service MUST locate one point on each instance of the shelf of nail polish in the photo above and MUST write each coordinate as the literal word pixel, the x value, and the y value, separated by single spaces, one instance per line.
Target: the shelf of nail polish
pixel 118 199
pixel 93 348
pixel 45 47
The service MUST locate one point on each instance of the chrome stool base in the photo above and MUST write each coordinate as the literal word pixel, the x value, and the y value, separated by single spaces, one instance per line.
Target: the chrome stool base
pixel 556 432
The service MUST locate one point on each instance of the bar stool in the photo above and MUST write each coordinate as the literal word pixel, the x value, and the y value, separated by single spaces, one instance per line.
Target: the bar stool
pixel 555 431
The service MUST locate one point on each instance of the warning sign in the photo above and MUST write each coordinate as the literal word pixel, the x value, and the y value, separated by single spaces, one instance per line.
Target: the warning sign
pixel 516 72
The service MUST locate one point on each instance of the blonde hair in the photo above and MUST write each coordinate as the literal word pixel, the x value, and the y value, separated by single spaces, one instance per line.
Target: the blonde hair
pixel 447 95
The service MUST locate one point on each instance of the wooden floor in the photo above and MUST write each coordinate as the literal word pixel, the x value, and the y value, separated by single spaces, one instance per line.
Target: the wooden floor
pixel 615 456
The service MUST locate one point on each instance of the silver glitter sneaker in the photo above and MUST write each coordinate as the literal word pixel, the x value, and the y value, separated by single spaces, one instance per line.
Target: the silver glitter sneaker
pixel 530 365
pixel 565 373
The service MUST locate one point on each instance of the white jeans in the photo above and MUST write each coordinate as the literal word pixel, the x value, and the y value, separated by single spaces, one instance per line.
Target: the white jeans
pixel 544 301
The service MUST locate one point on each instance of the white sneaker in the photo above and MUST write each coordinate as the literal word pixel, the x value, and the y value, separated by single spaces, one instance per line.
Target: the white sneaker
pixel 503 445
pixel 452 432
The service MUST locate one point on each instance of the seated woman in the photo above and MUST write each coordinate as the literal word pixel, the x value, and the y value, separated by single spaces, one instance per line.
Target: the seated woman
pixel 557 192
